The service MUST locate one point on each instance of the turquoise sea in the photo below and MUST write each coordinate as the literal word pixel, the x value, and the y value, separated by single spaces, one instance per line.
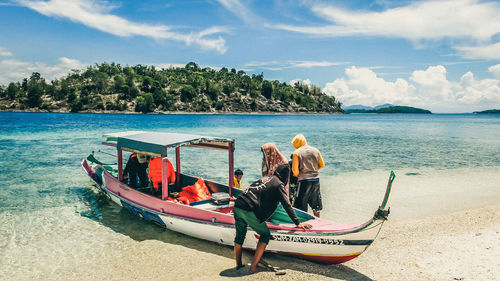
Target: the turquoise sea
pixel 50 211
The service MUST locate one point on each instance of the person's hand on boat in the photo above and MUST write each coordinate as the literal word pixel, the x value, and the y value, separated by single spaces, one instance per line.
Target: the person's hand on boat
pixel 304 225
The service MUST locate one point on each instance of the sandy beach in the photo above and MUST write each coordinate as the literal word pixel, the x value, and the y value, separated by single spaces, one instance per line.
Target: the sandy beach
pixel 448 242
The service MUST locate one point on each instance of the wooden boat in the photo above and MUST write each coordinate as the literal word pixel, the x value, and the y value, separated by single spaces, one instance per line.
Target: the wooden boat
pixel 327 242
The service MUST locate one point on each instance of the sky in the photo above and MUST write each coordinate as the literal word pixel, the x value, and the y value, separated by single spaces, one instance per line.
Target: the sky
pixel 439 55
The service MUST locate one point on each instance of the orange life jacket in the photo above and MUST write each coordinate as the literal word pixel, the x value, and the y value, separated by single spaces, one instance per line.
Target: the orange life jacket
pixel 155 172
pixel 196 192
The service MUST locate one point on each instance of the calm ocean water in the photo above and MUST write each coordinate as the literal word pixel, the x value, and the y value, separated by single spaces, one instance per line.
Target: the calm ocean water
pixel 45 193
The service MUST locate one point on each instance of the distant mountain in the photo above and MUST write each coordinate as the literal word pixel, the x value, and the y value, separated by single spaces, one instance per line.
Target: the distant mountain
pixel 490 111
pixel 383 106
pixel 364 107
pixel 391 109
pixel 357 106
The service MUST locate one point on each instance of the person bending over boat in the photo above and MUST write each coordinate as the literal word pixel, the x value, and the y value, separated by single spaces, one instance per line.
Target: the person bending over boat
pixel 136 167
pixel 306 163
pixel 255 206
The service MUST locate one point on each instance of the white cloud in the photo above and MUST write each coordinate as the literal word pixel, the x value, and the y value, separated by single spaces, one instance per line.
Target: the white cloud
pixel 484 51
pixel 419 20
pixel 466 22
pixel 308 64
pixel 484 93
pixel 15 70
pixel 96 15
pixel 434 83
pixel 168 65
pixel 237 8
pixel 5 53
pixel 261 63
pixel 362 86
pixel 429 89
pixel 276 65
pixel 305 82
pixel 495 69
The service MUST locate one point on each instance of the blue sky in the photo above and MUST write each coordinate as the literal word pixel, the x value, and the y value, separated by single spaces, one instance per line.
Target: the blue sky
pixel 439 55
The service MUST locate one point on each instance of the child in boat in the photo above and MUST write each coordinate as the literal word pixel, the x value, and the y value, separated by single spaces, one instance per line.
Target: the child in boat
pixel 255 206
pixel 238 174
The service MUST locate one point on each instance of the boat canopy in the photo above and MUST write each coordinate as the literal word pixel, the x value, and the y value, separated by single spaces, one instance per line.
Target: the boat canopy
pixel 156 143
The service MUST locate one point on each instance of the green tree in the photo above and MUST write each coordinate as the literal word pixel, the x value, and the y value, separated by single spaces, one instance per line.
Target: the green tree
pixel 187 93
pixel 101 82
pixel 119 83
pixel 13 90
pixel 192 66
pixel 147 82
pixel 228 88
pixel 267 89
pixel 145 103
pixel 159 97
pixel 76 105
pixel 213 90
pixel 34 96
pixel 133 92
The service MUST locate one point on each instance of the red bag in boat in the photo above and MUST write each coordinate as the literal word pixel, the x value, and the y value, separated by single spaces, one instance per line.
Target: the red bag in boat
pixel 196 192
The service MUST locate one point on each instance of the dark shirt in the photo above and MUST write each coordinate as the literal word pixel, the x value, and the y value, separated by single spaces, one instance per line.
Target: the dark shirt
pixel 262 198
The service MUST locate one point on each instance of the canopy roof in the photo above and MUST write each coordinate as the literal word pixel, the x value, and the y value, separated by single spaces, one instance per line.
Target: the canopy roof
pixel 156 143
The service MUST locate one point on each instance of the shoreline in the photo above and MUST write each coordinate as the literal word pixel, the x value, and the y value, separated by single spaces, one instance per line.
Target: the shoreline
pixel 225 113
pixel 177 112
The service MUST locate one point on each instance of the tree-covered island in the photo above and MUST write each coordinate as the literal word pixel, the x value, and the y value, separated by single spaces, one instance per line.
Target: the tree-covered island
pixel 489 111
pixel 391 109
pixel 110 87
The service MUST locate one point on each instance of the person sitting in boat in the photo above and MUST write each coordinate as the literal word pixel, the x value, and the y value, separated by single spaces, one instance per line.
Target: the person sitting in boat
pixel 238 174
pixel 255 206
pixel 136 168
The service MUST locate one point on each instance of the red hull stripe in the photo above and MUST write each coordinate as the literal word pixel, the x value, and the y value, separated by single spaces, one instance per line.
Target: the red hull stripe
pixel 326 259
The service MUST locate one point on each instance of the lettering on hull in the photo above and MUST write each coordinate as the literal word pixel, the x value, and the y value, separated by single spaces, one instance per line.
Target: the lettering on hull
pixel 319 240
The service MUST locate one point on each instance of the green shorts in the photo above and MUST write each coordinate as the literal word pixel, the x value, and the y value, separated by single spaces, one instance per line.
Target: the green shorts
pixel 242 219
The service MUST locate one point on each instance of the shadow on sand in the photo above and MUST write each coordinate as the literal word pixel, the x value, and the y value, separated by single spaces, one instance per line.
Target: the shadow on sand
pixel 288 264
pixel 120 220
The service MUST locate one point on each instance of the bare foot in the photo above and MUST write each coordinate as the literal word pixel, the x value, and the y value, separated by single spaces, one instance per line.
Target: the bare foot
pixel 255 270
pixel 238 266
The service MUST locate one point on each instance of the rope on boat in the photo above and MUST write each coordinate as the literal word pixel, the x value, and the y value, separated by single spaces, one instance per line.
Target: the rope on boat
pixel 106 153
pixel 382 224
pixel 373 226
